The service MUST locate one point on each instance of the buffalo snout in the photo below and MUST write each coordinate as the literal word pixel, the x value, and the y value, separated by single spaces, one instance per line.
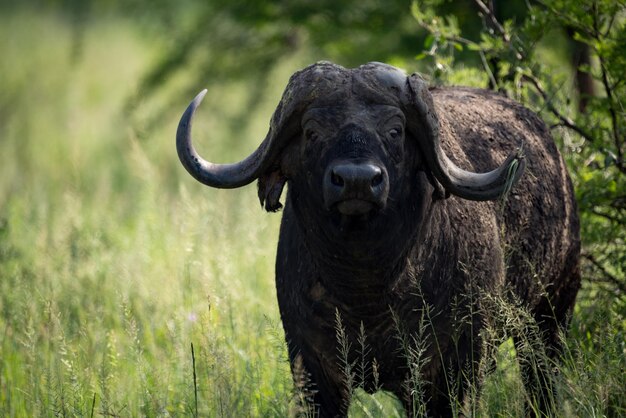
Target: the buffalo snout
pixel 355 188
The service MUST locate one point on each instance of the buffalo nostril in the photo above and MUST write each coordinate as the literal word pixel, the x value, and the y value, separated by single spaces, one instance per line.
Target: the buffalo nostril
pixel 336 179
pixel 377 179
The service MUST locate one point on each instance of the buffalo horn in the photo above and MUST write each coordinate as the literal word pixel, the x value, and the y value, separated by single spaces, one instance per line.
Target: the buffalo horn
pixel 465 184
pixel 479 186
pixel 224 176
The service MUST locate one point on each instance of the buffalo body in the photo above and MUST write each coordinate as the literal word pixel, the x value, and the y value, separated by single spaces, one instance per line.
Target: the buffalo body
pixel 392 245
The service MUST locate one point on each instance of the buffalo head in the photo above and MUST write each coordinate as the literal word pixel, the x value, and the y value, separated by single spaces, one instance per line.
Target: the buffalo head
pixel 343 133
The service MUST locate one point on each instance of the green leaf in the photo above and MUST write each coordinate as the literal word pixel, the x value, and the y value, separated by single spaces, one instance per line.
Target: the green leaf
pixel 428 42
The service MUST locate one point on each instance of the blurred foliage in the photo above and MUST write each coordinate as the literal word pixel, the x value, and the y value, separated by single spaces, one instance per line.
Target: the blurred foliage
pixel 244 39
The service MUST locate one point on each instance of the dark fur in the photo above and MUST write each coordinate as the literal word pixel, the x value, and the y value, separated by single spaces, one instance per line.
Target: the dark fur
pixel 422 256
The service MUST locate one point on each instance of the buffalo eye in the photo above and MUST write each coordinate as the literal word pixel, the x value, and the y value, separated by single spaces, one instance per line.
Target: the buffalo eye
pixel 311 135
pixel 394 133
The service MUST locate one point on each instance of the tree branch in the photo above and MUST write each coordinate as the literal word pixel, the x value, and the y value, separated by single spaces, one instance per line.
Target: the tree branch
pixel 565 121
pixel 493 20
pixel 495 24
pixel 607 277
pixel 609 217
pixel 614 122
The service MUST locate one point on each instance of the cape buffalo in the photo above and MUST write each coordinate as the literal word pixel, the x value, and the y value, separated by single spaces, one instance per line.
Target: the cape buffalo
pixel 392 256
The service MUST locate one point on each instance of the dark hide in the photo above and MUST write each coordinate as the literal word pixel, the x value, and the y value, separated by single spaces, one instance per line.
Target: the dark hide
pixel 421 267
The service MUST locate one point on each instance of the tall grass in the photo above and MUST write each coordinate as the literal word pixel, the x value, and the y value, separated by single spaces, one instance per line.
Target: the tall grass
pixel 113 261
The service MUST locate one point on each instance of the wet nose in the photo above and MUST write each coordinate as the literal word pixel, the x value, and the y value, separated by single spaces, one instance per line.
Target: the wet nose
pixel 355 177
pixel 349 181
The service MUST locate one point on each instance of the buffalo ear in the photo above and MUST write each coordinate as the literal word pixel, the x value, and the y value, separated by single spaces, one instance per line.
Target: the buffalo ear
pixel 270 187
pixel 439 192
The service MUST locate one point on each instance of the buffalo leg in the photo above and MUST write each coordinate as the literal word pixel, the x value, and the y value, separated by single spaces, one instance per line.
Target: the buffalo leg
pixel 537 374
pixel 539 351
pixel 540 370
pixel 318 394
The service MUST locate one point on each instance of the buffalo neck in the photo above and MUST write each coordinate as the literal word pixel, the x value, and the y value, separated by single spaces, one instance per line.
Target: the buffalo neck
pixel 370 264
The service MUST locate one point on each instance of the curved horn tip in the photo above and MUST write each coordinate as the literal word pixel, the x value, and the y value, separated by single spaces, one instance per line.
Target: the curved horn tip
pixel 186 119
pixel 199 97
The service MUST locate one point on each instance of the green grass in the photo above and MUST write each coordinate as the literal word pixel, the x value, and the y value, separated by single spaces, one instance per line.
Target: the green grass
pixel 113 261
pixel 110 268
